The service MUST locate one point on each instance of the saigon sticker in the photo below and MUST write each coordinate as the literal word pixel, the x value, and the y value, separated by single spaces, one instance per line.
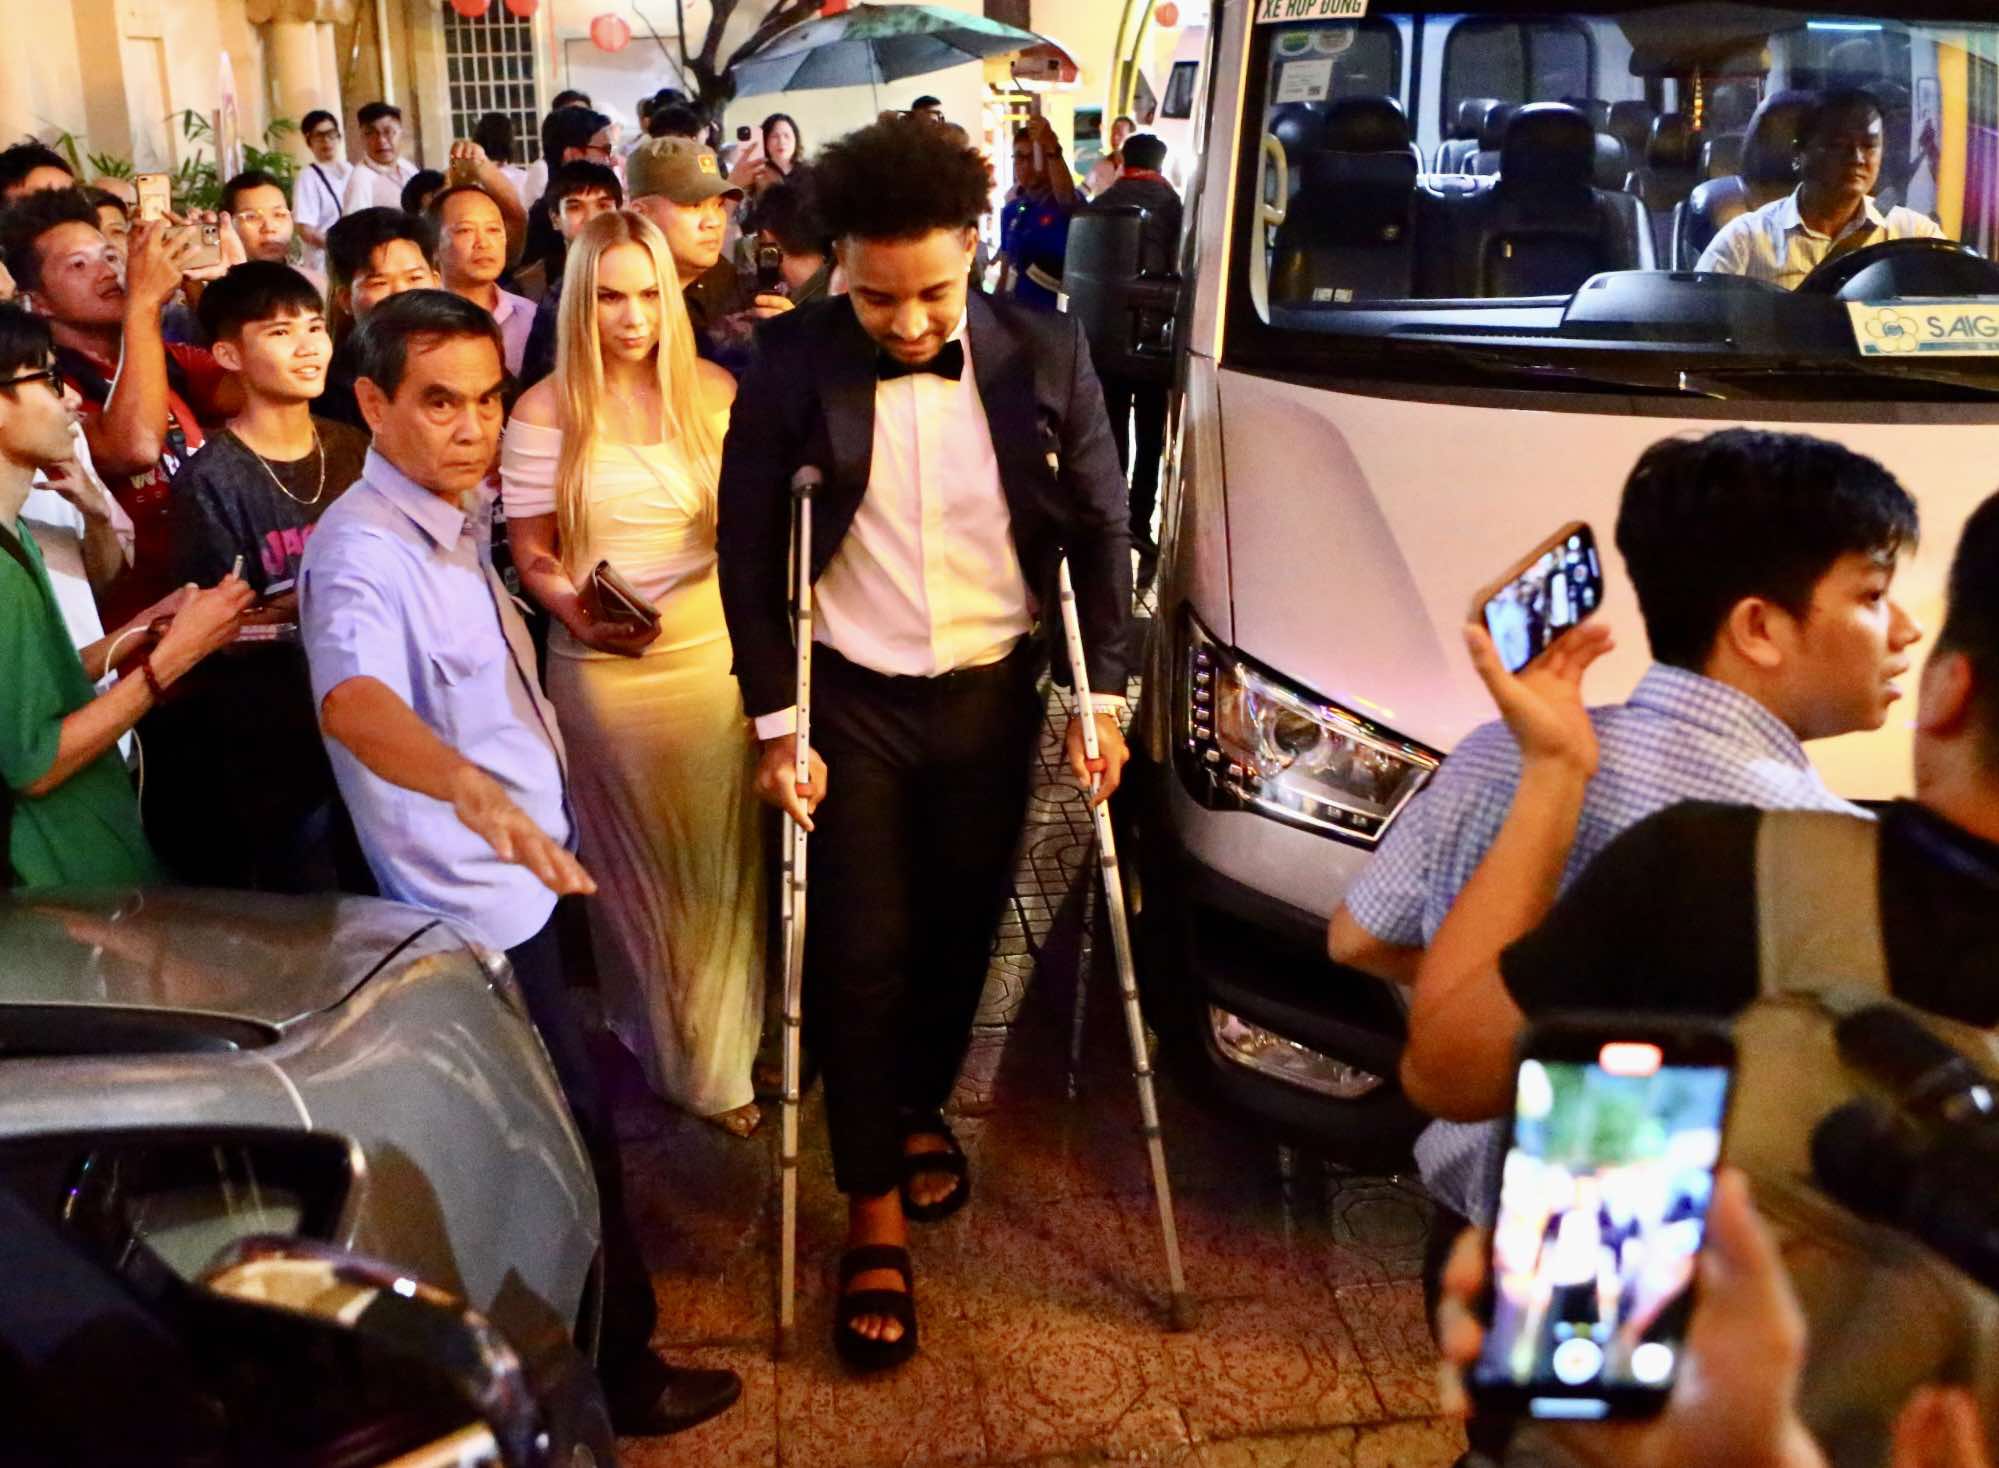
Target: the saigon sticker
pixel 1968 328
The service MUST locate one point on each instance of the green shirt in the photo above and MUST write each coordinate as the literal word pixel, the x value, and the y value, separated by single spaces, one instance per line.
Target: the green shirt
pixel 86 830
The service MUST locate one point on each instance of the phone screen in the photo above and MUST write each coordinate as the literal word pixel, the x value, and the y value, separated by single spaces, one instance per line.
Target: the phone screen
pixel 1604 1194
pixel 1561 587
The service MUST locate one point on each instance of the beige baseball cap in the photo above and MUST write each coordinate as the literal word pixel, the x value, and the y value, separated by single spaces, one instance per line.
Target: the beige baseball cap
pixel 679 169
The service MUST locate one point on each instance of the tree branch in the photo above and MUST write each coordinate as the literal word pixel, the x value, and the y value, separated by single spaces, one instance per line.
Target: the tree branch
pixel 720 13
pixel 782 19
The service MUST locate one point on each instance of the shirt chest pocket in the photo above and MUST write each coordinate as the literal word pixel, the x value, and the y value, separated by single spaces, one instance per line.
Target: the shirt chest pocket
pixel 468 681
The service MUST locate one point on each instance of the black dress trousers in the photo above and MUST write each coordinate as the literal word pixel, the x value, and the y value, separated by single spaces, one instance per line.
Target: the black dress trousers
pixel 927 785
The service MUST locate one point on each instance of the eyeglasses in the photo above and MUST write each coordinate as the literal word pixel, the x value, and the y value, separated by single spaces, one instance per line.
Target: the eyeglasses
pixel 598 150
pixel 51 375
pixel 321 134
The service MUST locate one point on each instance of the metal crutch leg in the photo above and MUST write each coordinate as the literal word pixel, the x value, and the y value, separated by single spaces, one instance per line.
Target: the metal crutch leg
pixel 792 910
pixel 1180 1304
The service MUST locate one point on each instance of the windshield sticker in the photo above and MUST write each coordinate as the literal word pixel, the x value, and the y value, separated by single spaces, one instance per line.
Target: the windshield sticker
pixel 1305 81
pixel 1275 10
pixel 1934 329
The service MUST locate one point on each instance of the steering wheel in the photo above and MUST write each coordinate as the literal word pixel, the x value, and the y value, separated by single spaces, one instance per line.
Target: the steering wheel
pixel 1891 268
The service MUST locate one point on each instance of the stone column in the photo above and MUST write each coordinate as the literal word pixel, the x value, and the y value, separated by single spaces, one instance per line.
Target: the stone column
pixel 297 49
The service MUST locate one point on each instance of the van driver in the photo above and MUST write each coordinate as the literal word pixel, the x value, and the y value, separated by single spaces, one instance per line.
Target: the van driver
pixel 1832 212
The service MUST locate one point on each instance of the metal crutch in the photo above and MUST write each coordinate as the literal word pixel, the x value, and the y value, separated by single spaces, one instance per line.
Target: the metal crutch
pixel 1180 1304
pixel 792 909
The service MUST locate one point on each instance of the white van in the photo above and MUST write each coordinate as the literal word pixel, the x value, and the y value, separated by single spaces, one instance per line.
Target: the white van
pixel 1426 324
pixel 1179 99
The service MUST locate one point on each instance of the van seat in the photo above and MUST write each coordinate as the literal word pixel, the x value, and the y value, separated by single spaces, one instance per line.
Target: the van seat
pixel 1722 156
pixel 1544 228
pixel 1455 153
pixel 1349 235
pixel 1631 123
pixel 1670 172
pixel 1492 138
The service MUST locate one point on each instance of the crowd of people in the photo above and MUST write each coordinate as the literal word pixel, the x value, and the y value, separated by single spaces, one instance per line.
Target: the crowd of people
pixel 438 525
pixel 433 541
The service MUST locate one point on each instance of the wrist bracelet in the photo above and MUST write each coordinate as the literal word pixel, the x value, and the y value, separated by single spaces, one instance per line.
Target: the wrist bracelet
pixel 152 679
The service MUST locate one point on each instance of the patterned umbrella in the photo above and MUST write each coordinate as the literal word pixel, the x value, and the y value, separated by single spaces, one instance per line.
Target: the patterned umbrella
pixel 870 44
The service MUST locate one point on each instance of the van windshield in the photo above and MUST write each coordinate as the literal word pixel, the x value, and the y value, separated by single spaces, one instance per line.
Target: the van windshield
pixel 1711 199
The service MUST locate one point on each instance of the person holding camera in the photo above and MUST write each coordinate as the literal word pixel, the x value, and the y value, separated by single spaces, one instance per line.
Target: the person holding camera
pixel 70 815
pixel 145 399
pixel 1706 909
pixel 609 475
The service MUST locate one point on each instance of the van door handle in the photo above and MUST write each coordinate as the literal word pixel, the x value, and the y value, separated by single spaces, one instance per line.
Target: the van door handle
pixel 1273 151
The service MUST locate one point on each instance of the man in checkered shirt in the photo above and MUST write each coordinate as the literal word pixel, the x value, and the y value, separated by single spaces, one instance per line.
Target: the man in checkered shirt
pixel 1762 563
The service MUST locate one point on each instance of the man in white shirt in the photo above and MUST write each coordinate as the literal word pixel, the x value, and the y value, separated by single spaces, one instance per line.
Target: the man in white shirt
pixel 534 181
pixel 378 179
pixel 321 185
pixel 1832 211
pixel 85 536
pixel 933 415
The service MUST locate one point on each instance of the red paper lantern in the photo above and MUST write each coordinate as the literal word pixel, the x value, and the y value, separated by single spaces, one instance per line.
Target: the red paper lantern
pixel 610 33
pixel 523 8
pixel 471 9
pixel 1168 15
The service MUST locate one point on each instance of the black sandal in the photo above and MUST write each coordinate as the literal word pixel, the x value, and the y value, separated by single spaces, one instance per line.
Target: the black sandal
pixel 950 1160
pixel 856 1349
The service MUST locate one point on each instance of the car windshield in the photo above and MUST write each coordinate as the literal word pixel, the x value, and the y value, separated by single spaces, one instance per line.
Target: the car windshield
pixel 1712 199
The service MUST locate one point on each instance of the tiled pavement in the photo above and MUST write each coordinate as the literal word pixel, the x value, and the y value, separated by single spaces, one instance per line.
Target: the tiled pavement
pixel 1041 1305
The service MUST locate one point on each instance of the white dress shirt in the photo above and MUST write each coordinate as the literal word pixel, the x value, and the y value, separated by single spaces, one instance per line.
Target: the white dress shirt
pixel 534 183
pixel 1775 244
pixel 927 579
pixel 371 186
pixel 317 195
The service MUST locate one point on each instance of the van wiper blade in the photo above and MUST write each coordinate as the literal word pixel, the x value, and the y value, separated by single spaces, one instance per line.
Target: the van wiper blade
pixel 1663 381
pixel 1874 369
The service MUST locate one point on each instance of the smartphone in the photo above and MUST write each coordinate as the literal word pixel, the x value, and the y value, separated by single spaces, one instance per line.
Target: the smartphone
pixel 462 171
pixel 1545 593
pixel 207 245
pixel 156 195
pixel 770 269
pixel 1604 1188
pixel 742 134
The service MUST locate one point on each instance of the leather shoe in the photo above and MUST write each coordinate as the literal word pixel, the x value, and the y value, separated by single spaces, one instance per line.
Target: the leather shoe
pixel 689 1396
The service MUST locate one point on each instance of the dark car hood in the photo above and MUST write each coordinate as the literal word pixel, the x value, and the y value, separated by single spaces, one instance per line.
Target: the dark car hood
pixel 268 960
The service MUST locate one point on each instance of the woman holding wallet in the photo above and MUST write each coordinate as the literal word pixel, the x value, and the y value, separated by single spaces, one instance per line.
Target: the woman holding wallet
pixel 608 470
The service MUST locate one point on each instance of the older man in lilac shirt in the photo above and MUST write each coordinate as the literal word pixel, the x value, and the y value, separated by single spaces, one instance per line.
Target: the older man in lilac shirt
pixel 447 753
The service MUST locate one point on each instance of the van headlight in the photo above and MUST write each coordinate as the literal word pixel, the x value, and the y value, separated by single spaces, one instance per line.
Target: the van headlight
pixel 1250 741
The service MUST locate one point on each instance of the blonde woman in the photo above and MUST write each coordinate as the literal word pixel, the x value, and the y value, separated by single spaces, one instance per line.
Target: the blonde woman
pixel 614 459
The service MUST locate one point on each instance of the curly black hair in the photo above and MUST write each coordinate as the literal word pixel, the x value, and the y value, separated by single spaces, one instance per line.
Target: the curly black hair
pixel 898 179
pixel 28 218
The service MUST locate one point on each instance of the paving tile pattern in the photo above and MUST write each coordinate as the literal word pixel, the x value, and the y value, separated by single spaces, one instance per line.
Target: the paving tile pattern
pixel 1042 1305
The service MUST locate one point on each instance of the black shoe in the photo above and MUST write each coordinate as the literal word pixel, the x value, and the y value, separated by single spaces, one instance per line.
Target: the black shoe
pixel 689 1396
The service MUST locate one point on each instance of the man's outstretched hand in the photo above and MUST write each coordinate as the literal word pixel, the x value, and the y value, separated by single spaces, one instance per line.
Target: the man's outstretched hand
pixel 484 808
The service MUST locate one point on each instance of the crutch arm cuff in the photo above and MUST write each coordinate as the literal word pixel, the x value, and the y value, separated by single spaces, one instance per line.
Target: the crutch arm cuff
pixel 777 725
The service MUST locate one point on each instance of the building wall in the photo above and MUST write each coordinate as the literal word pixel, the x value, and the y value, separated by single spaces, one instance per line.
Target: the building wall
pixel 117 74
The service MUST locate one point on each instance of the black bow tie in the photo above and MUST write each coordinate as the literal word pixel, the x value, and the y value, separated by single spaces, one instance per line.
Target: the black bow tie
pixel 950 362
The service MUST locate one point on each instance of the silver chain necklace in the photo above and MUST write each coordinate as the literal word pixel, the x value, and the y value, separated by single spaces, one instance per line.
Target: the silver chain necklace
pixel 318 452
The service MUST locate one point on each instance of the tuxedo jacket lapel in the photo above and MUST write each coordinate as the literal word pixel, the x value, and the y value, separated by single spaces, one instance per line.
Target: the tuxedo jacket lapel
pixel 1006 379
pixel 847 395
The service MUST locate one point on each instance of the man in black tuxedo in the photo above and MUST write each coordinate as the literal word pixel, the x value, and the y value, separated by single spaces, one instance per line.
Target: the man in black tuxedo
pixel 933 413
